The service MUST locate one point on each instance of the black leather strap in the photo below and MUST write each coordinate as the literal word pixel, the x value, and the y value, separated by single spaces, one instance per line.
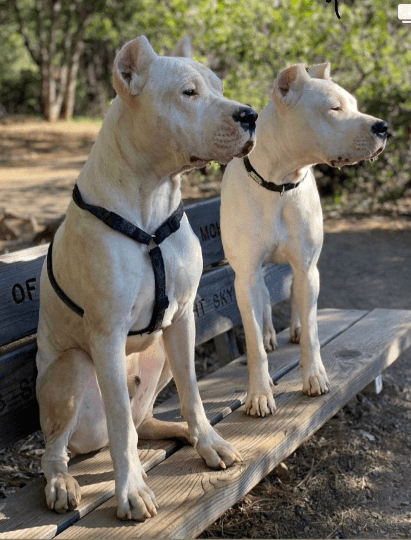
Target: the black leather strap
pixel 268 185
pixel 162 302
pixel 60 293
pixel 121 225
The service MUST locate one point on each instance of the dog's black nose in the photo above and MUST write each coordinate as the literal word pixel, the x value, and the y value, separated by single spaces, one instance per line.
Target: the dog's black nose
pixel 247 118
pixel 380 129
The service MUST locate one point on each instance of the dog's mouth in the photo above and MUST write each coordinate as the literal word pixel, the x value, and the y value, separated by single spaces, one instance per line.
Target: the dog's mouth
pixel 340 161
pixel 249 145
pixel 374 156
pixel 199 162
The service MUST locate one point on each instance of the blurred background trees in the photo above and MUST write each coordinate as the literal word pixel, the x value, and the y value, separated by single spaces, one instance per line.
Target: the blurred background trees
pixel 56 58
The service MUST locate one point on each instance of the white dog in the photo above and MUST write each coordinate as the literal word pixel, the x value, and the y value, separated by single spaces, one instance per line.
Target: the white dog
pixel 309 120
pixel 117 295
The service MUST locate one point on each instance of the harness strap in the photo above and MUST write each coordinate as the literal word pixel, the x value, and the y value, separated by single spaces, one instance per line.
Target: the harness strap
pixel 60 293
pixel 269 185
pixel 121 225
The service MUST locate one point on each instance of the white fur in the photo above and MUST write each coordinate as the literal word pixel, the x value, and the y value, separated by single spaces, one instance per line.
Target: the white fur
pixel 297 129
pixel 96 385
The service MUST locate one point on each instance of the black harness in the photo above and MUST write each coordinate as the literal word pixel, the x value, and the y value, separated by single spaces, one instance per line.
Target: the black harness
pixel 269 185
pixel 121 225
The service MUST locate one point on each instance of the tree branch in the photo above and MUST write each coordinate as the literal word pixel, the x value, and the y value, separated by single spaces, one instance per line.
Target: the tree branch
pixel 33 50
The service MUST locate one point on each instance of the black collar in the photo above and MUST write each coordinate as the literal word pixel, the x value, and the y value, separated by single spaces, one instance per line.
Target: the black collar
pixel 269 185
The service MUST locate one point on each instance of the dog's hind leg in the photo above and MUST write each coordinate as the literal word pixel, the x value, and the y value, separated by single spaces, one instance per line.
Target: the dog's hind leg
pixel 65 391
pixel 269 335
pixel 306 285
pixel 295 323
pixel 151 428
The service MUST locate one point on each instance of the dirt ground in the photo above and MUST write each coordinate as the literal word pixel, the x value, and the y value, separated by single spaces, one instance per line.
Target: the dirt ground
pixel 352 479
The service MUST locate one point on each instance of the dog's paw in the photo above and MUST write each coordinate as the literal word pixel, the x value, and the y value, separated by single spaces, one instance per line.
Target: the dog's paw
pixel 260 403
pixel 136 501
pixel 216 452
pixel 270 340
pixel 295 334
pixel 315 383
pixel 63 493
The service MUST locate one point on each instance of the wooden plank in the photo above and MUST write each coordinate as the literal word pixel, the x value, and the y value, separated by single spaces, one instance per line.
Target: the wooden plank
pixel 226 347
pixel 19 293
pixel 221 392
pixel 19 414
pixel 215 311
pixel 204 218
pixel 191 496
pixel 215 306
pixel 25 515
pixel 225 390
pixel 375 387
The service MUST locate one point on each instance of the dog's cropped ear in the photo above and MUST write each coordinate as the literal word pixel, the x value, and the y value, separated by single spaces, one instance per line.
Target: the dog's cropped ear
pixel 289 84
pixel 131 68
pixel 320 71
pixel 183 48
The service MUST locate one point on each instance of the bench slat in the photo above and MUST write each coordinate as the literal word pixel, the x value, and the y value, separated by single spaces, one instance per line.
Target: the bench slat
pixel 25 516
pixel 191 497
pixel 19 294
pixel 204 218
pixel 215 307
pixel 19 414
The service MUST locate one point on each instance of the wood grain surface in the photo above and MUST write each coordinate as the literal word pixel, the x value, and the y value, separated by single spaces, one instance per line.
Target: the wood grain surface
pixel 222 392
pixel 191 496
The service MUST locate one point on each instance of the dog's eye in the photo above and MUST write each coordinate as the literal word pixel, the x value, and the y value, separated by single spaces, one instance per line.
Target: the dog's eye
pixel 190 92
pixel 336 108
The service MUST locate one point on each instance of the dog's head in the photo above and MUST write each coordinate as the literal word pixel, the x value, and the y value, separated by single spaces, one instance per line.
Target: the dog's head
pixel 323 118
pixel 177 107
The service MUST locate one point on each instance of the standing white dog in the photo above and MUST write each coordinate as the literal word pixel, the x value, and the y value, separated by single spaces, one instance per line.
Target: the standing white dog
pixel 118 289
pixel 271 212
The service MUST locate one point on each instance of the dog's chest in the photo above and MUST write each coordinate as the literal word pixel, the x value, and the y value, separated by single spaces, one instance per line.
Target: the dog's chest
pixel 181 254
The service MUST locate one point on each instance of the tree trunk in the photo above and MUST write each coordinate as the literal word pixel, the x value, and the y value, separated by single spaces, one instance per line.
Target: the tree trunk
pixel 58 91
pixel 70 93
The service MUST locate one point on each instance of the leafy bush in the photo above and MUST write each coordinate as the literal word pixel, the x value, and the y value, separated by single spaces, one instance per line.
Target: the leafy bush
pixel 247 42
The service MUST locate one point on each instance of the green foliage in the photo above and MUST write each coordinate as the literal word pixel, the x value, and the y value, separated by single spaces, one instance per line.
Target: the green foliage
pixel 247 43
pixel 19 80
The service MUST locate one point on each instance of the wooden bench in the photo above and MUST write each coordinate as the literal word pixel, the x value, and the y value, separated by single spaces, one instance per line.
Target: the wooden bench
pixel 191 496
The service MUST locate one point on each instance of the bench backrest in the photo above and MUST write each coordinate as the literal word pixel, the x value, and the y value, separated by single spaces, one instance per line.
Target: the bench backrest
pixel 215 312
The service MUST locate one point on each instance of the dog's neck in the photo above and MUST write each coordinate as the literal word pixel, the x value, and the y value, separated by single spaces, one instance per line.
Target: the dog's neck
pixel 274 156
pixel 120 176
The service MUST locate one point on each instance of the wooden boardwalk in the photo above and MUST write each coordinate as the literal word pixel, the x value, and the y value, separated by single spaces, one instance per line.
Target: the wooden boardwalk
pixel 356 347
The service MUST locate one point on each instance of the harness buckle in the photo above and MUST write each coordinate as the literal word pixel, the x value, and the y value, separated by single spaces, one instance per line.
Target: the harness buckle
pixel 152 241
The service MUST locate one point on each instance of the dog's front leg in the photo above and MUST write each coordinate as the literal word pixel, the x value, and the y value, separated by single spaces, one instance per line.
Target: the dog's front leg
pixel 179 342
pixel 306 286
pixel 134 499
pixel 251 301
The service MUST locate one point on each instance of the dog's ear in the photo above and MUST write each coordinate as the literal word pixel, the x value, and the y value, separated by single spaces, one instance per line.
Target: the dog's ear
pixel 131 67
pixel 183 48
pixel 289 84
pixel 320 71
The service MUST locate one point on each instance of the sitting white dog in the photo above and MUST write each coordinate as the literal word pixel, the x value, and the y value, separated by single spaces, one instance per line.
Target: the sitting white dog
pixel 118 288
pixel 271 213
